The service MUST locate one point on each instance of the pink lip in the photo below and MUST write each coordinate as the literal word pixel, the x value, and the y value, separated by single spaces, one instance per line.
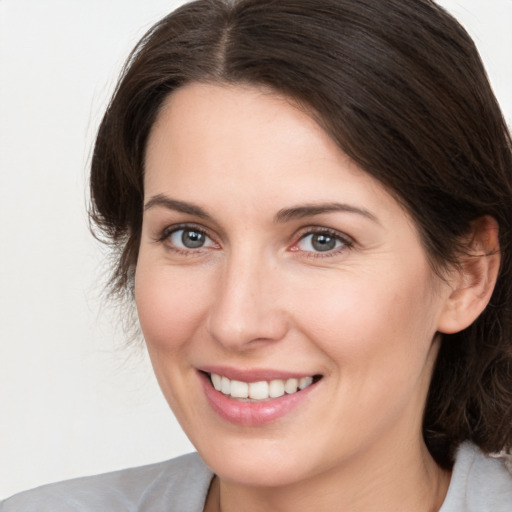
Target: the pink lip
pixel 251 414
pixel 252 375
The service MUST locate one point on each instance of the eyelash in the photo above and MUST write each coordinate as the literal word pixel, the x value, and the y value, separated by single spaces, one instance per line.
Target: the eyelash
pixel 346 242
pixel 169 231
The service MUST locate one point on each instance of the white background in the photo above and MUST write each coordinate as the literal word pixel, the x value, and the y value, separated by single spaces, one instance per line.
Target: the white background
pixel 73 399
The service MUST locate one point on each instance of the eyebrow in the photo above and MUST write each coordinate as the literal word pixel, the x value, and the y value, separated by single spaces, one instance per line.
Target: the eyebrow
pixel 310 210
pixel 179 206
pixel 282 216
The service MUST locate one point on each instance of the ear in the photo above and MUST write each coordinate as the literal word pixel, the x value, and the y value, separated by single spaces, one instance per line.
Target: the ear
pixel 472 283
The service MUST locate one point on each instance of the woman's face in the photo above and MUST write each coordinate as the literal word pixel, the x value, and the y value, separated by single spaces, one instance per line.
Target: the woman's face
pixel 269 260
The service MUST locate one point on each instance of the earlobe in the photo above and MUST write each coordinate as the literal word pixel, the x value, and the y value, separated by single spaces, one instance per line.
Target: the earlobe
pixel 473 281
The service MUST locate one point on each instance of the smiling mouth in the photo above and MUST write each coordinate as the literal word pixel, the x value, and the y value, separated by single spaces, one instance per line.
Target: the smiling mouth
pixel 261 390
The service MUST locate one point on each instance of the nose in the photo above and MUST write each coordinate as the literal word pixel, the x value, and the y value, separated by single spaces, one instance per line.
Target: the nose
pixel 247 309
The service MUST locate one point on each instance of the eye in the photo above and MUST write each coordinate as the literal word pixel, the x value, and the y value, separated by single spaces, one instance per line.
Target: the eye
pixel 321 242
pixel 189 238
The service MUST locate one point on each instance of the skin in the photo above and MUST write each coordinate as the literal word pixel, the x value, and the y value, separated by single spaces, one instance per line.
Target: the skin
pixel 364 315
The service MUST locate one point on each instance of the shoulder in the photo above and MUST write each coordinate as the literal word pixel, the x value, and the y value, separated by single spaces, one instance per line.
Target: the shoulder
pixel 479 483
pixel 178 484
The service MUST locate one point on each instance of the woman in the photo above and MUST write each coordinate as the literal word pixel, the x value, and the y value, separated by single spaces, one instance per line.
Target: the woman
pixel 312 204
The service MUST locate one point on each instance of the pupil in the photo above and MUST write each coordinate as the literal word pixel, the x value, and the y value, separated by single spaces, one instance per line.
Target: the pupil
pixel 192 239
pixel 323 242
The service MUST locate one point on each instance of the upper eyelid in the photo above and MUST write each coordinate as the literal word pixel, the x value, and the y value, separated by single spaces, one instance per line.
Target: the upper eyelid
pixel 346 241
pixel 183 226
pixel 319 229
pixel 165 234
pixel 215 233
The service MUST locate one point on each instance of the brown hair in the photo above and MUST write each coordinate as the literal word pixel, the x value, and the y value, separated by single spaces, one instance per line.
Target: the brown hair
pixel 399 85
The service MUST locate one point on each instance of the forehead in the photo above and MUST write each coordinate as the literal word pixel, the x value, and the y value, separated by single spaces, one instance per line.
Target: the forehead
pixel 224 129
pixel 229 122
pixel 239 149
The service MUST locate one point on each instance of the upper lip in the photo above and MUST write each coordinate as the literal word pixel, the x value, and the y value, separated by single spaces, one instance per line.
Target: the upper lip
pixel 254 374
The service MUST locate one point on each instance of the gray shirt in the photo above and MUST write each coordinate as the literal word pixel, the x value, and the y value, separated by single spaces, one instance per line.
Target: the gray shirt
pixel 479 484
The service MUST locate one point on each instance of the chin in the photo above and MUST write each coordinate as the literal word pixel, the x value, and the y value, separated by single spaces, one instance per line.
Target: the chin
pixel 257 463
pixel 258 473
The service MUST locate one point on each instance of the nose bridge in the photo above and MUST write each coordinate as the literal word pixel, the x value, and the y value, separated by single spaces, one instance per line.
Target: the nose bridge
pixel 245 309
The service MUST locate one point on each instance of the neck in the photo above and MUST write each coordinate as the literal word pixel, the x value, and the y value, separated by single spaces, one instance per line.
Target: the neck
pixel 407 480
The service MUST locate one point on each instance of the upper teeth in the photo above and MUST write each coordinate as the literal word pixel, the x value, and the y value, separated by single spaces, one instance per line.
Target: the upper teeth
pixel 259 390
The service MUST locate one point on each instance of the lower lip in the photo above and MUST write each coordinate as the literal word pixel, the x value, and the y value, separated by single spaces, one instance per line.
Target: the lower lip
pixel 252 414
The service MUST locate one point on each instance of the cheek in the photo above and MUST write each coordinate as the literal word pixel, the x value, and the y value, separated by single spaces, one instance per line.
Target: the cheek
pixel 170 306
pixel 368 318
pixel 377 336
